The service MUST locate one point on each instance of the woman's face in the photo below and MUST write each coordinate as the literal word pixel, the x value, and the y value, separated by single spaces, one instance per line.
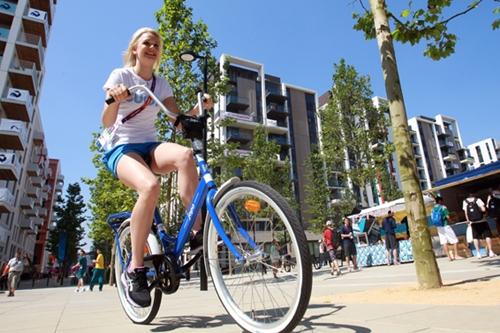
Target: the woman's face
pixel 147 49
pixel 346 221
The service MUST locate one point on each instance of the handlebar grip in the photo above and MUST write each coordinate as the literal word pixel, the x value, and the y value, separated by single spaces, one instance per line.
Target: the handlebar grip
pixel 110 99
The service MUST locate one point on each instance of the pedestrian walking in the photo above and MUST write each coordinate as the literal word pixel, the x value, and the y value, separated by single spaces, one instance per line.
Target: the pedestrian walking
pixel 98 272
pixel 328 239
pixel 16 267
pixel 81 271
pixel 391 243
pixel 493 206
pixel 4 271
pixel 347 235
pixel 440 219
pixel 475 209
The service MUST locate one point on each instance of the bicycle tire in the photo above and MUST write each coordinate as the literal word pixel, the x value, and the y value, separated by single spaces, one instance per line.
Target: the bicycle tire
pixel 229 282
pixel 135 314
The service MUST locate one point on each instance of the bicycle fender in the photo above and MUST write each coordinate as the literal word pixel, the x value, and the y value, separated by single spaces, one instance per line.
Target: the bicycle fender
pixel 232 181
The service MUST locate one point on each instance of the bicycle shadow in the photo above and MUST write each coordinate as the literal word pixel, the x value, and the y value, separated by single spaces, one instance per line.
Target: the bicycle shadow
pixel 308 323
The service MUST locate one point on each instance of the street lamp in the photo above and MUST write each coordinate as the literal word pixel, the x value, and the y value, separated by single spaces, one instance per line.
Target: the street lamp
pixel 190 56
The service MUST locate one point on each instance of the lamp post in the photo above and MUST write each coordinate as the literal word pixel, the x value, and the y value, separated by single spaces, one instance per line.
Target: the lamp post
pixel 190 56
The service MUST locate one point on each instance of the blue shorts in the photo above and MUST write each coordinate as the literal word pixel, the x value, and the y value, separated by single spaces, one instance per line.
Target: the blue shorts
pixel 111 158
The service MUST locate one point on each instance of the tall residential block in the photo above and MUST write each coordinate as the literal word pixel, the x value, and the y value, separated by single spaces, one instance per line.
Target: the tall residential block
pixel 287 112
pixel 438 148
pixel 24 165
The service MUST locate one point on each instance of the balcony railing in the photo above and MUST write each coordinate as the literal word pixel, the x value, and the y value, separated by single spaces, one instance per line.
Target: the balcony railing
pixel 281 140
pixel 275 110
pixel 30 47
pixel 236 103
pixel 12 134
pixel 4 33
pixel 234 134
pixel 9 7
pixel 18 104
pixel 9 166
pixel 27 202
pixel 6 201
pixel 274 94
pixel 35 21
pixel 27 224
pixel 23 74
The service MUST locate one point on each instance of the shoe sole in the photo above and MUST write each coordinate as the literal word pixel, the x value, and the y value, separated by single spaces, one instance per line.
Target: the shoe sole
pixel 123 280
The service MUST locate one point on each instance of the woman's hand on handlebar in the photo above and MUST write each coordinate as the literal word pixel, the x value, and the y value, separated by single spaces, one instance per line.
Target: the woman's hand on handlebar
pixel 118 93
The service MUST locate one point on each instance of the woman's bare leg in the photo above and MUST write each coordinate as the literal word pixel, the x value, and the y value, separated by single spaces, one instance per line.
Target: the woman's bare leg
pixel 170 156
pixel 134 173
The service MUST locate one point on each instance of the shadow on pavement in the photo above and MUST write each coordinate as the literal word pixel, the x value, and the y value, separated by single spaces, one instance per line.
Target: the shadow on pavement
pixel 483 278
pixel 195 322
pixel 308 323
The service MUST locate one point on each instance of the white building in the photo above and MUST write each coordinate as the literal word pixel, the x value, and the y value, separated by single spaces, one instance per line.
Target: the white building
pixel 484 152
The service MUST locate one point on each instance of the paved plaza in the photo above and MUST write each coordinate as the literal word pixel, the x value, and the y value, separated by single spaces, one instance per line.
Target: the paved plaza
pixel 190 310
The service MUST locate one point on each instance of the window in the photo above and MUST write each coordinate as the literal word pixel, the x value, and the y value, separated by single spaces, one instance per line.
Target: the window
pixel 479 154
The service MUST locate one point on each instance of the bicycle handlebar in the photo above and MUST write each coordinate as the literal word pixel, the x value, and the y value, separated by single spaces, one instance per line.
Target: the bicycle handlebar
pixel 172 115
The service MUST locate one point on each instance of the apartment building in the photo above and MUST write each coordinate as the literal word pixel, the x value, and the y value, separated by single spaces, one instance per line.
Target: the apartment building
pixel 287 112
pixel 438 148
pixel 24 164
pixel 484 152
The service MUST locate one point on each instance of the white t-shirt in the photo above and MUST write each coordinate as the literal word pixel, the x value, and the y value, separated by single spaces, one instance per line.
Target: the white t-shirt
pixel 141 128
pixel 479 202
pixel 16 265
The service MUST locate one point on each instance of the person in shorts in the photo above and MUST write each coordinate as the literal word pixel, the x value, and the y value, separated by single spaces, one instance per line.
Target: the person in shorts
pixel 445 232
pixel 16 267
pixel 391 243
pixel 475 209
pixel 136 157
pixel 331 247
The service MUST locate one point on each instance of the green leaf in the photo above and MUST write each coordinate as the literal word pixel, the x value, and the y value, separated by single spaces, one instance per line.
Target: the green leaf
pixel 405 13
pixel 496 24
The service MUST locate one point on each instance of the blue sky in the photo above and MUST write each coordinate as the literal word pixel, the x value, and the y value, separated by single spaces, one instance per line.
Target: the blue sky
pixel 295 40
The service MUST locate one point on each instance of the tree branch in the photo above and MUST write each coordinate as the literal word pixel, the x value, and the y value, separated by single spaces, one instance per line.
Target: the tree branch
pixel 460 14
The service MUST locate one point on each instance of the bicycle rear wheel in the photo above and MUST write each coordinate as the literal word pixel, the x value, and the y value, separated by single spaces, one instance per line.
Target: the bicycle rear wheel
pixel 259 300
pixel 137 314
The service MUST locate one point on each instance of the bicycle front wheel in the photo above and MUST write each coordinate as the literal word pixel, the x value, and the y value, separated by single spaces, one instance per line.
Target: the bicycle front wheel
pixel 138 315
pixel 260 297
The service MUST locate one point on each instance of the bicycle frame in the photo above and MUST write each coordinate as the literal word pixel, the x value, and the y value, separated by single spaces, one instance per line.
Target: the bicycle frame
pixel 205 193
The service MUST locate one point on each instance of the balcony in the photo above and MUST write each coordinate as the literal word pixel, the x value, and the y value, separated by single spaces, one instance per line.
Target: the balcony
pixel 279 139
pixel 42 212
pixel 276 111
pixel 47 6
pixel 27 202
pixel 32 191
pixel 35 22
pixel 29 47
pixel 18 104
pixel 38 221
pixel 450 157
pixel 12 134
pixel 446 144
pixel 23 74
pixel 274 94
pixel 243 120
pixel 8 7
pixel 31 212
pixel 37 181
pixel 243 152
pixel 236 135
pixel 277 127
pixel 6 201
pixel 33 169
pixel 443 133
pixel 27 224
pixel 10 167
pixel 236 103
pixel 452 166
pixel 38 137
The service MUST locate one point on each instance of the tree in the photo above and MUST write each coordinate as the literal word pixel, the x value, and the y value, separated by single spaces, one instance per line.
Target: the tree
pixel 263 166
pixel 429 24
pixel 428 275
pixel 70 218
pixel 355 142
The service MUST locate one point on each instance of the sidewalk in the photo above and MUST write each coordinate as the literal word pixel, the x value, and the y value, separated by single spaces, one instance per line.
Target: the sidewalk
pixel 378 299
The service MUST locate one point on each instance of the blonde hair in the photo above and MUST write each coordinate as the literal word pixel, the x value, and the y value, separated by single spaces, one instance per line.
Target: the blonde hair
pixel 129 58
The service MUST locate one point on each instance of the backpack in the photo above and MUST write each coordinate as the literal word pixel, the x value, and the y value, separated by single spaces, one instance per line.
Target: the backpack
pixel 494 207
pixel 473 211
pixel 437 216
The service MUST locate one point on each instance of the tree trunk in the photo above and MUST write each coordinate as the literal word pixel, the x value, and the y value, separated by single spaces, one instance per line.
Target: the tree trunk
pixel 428 275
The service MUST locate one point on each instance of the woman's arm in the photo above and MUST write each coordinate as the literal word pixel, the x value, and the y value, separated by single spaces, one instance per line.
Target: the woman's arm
pixel 110 111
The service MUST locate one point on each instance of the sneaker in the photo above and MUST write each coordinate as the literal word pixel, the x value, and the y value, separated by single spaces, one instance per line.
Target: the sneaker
pixel 136 287
pixel 492 254
pixel 478 256
pixel 196 242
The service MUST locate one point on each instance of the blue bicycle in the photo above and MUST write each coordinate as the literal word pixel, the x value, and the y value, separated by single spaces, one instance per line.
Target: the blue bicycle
pixel 243 218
